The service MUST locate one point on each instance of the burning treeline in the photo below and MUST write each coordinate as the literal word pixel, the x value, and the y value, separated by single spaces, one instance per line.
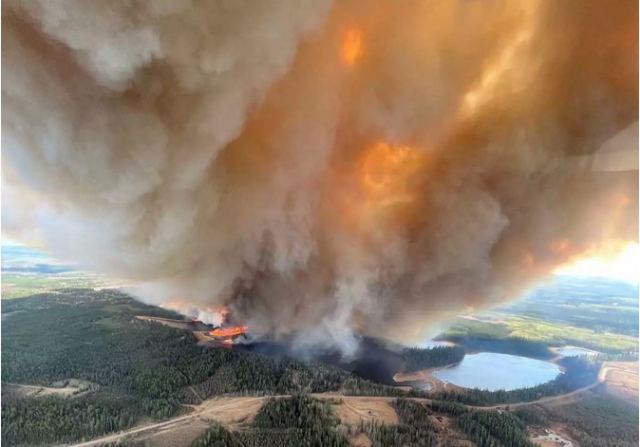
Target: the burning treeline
pixel 322 168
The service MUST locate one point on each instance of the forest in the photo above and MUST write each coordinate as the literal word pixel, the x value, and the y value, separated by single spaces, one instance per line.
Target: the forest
pixel 416 427
pixel 140 368
pixel 418 358
pixel 283 422
pixel 507 345
pixel 494 429
pixel 43 420
pixel 599 421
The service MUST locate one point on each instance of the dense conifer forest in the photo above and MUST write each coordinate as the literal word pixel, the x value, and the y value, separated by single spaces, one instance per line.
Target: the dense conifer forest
pixel 43 420
pixel 599 421
pixel 137 370
pixel 507 345
pixel 140 368
pixel 418 358
pixel 282 422
pixel 494 429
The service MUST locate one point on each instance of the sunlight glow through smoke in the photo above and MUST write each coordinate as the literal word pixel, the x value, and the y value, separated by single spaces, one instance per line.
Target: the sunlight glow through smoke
pixel 624 266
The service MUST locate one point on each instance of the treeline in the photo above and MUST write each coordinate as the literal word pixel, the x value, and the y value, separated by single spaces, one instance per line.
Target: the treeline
pixel 579 372
pixel 414 429
pixel 282 422
pixel 626 356
pixel 506 345
pixel 418 358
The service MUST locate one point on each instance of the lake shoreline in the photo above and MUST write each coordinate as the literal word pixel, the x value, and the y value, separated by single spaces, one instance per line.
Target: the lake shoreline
pixel 501 372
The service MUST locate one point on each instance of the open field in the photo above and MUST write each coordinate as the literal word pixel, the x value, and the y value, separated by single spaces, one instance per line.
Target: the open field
pixel 535 330
pixel 22 285
pixel 621 380
pixel 27 271
pixel 354 410
pixel 598 304
pixel 43 391
pixel 177 324
pixel 229 411
pixel 551 437
pixel 593 313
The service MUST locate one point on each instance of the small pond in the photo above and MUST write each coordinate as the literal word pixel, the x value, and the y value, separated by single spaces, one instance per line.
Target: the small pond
pixel 491 371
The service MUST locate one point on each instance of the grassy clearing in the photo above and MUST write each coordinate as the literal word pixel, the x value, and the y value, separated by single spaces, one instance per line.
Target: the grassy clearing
pixel 23 285
pixel 552 333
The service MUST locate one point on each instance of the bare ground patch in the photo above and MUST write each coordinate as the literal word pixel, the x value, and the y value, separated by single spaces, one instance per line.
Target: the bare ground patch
pixel 554 436
pixel 67 389
pixel 360 440
pixel 177 324
pixel 621 380
pixel 426 379
pixel 353 410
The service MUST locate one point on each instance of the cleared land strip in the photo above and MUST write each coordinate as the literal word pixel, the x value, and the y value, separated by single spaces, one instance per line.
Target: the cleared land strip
pixel 229 409
pixel 210 407
pixel 236 404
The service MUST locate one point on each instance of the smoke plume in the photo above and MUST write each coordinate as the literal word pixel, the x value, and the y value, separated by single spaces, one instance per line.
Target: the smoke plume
pixel 321 169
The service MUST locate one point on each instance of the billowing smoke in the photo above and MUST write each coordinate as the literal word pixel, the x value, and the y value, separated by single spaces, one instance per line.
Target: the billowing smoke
pixel 322 169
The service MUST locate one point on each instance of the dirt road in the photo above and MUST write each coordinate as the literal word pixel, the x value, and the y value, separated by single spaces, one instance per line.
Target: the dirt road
pixel 230 410
pixel 222 407
pixel 242 407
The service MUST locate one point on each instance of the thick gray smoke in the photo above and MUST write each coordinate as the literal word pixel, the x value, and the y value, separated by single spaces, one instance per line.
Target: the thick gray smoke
pixel 321 169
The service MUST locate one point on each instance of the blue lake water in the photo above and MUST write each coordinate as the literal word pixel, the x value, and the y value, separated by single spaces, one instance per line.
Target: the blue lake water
pixel 491 371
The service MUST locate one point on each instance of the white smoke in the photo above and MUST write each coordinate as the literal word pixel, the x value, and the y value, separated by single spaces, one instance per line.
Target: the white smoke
pixel 223 152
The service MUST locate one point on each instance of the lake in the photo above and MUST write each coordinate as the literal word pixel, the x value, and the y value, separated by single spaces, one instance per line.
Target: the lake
pixel 491 371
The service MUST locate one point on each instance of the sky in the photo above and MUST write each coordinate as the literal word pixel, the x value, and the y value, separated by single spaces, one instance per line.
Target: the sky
pixel 621 265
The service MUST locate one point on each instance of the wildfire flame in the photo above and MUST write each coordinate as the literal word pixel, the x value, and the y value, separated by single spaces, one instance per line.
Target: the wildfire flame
pixel 351 49
pixel 232 331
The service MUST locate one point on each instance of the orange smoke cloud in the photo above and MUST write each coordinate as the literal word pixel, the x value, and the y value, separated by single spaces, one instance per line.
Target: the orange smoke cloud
pixel 196 151
pixel 351 48
pixel 560 246
pixel 386 173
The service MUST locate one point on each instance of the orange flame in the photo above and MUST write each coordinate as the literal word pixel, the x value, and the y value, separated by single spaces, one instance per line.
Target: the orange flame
pixel 233 331
pixel 351 46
